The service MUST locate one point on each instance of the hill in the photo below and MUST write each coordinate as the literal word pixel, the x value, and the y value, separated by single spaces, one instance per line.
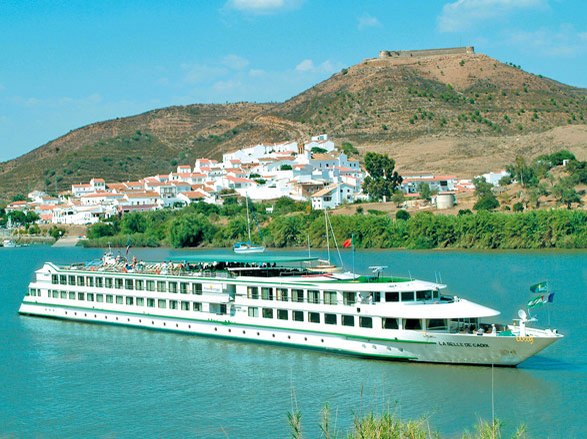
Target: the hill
pixel 445 113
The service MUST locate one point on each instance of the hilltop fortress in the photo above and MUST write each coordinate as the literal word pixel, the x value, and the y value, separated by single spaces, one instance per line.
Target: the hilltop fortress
pixel 406 54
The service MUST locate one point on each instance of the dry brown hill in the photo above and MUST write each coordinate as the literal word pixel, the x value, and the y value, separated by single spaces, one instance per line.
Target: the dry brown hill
pixel 462 114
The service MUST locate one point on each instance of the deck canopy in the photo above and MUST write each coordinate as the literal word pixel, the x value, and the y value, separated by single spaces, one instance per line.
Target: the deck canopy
pixel 243 258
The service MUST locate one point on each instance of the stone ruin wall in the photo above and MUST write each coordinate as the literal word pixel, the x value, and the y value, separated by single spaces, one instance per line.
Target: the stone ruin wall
pixel 407 54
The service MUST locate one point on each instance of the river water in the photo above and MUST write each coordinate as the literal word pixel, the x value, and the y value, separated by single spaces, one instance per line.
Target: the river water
pixel 64 379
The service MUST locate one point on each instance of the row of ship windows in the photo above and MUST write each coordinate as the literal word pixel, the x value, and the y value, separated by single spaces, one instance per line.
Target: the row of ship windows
pixel 120 300
pixel 127 284
pixel 331 297
pixel 266 313
pixel 264 293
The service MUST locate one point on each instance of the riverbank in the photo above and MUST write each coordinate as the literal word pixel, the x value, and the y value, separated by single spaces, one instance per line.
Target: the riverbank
pixel 484 230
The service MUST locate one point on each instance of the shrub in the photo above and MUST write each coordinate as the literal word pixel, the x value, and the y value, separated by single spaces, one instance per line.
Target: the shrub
pixel 402 214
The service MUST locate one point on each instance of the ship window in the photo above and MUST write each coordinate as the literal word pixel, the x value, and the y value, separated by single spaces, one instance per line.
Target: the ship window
pixel 407 296
pixel 392 296
pixel 297 296
pixel 62 279
pixel 267 313
pixel 412 324
pixel 80 296
pixel 99 282
pixel 183 288
pixel 423 295
pixel 90 281
pixel 253 311
pixel 252 292
pixel 298 316
pixel 349 297
pixel 282 314
pixel 140 301
pixel 162 303
pixel 282 294
pixel 150 303
pixel 62 293
pixel 330 319
pixel 90 297
pixel 330 298
pixel 119 300
pixel 365 322
pixel 118 283
pixel 435 294
pixel 128 284
pixel 54 279
pixel 172 287
pixel 99 297
pixel 150 285
pixel 108 282
pixel 161 286
pixel 314 317
pixel 185 306
pixel 313 296
pixel 80 281
pixel 348 320
pixel 436 324
pixel 55 294
pixel 196 288
pixel 71 280
pixel 376 296
pixel 390 324
pixel 129 300
pixel 173 304
pixel 266 293
pixel 197 306
pixel 71 295
pixel 109 298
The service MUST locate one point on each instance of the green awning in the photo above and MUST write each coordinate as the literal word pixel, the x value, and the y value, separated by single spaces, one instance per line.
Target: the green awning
pixel 258 258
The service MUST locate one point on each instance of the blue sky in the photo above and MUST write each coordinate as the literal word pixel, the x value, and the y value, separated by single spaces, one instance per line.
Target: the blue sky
pixel 68 63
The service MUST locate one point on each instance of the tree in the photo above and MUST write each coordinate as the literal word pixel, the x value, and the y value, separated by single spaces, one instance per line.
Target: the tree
pixel 133 222
pixel 382 180
pixel 285 168
pixel 522 172
pixel 398 198
pixel 565 192
pixel 485 198
pixel 425 191
pixel 403 215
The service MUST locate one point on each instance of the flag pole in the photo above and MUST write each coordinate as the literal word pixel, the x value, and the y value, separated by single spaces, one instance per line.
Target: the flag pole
pixel 353 243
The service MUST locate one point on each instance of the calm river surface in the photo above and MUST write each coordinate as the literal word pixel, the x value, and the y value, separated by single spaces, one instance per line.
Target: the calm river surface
pixel 63 379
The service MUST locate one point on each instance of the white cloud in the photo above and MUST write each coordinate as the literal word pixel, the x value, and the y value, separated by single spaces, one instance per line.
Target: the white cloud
pixel 197 73
pixel 256 73
pixel 308 66
pixel 235 62
pixel 226 86
pixel 466 14
pixel 262 7
pixel 366 21
pixel 562 42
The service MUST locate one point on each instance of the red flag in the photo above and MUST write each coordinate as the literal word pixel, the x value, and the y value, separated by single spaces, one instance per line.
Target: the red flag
pixel 347 243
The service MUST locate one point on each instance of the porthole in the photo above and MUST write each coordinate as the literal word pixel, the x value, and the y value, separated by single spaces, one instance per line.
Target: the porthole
pixel 140 321
pixel 190 326
pixel 322 340
pixel 289 337
pixel 152 322
pixel 230 330
pixel 117 318
pixel 85 315
pixel 244 332
pixel 258 333
pixel 164 324
pixel 65 312
pixel 128 320
pixel 305 338
pixel 215 329
pixel 273 335
pixel 75 313
pixel 95 316
pixel 105 317
pixel 176 325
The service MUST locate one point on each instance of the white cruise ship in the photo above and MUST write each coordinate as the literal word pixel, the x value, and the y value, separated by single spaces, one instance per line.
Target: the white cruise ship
pixel 269 299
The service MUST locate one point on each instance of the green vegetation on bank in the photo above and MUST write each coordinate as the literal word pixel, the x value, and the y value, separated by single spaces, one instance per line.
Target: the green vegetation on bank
pixel 292 224
pixel 388 426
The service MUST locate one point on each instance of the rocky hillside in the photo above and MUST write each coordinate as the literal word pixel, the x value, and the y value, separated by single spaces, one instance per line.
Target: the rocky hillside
pixel 446 114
